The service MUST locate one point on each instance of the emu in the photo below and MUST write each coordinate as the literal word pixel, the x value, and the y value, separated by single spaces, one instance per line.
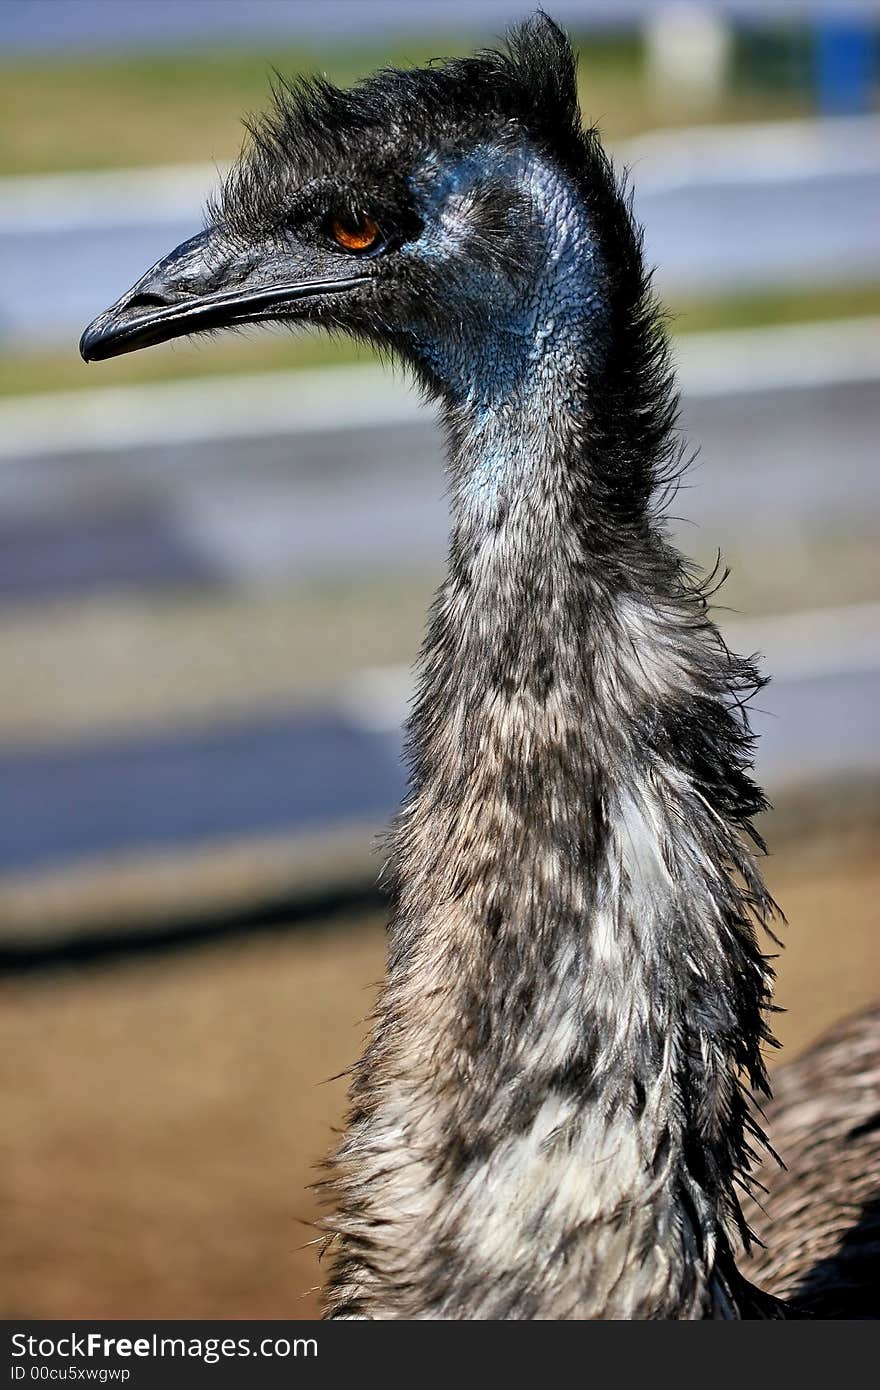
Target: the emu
pixel 553 1118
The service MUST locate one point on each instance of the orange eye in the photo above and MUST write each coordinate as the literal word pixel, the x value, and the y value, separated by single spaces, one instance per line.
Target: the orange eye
pixel 355 234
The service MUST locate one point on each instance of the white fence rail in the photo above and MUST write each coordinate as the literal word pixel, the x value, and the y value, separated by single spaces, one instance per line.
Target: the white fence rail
pixel 725 208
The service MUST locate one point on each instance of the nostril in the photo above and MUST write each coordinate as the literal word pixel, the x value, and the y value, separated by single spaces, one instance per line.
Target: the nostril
pixel 146 300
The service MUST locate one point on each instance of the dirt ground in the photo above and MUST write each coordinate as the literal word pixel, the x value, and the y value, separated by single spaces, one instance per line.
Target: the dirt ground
pixel 163 1117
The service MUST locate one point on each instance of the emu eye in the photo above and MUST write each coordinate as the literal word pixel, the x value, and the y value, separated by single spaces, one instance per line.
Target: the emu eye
pixel 358 233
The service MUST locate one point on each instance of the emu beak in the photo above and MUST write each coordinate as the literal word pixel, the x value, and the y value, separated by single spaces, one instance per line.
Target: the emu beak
pixel 199 286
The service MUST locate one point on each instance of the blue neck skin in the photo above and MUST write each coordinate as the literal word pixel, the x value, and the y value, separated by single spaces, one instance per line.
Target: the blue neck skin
pixel 520 316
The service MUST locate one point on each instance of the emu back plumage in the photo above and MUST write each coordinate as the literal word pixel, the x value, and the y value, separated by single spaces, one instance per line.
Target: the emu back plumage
pixel 819 1216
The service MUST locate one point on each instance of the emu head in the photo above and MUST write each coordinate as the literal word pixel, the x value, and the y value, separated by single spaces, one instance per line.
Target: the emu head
pixel 435 211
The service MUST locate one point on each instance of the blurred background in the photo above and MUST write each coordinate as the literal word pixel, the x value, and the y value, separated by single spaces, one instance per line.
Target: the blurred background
pixel 215 561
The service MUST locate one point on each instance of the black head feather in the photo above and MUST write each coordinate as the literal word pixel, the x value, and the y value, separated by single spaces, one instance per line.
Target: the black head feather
pixel 373 134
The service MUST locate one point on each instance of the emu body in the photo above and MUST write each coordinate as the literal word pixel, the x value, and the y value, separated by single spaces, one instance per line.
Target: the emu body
pixel 551 1119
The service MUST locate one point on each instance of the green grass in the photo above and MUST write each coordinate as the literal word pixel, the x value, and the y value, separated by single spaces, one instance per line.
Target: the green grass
pixel 259 350
pixel 248 351
pixel 135 109
pixel 761 309
pixel 143 108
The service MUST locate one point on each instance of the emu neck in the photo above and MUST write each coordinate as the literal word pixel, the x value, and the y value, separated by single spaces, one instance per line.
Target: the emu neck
pixel 549 1122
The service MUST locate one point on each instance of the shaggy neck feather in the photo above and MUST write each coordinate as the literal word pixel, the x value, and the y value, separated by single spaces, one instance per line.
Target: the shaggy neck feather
pixel 548 1121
